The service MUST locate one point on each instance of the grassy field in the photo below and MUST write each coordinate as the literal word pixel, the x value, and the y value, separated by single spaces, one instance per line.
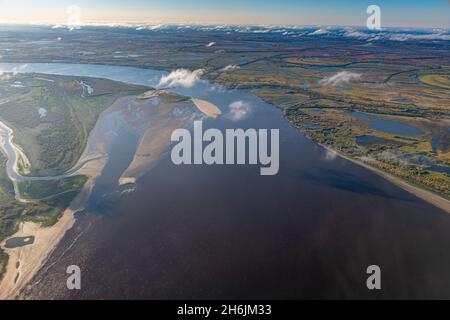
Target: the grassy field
pixel 441 81
pixel 45 189
pixel 6 186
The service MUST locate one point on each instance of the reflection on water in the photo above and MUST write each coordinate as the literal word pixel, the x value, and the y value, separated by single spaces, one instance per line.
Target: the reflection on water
pixel 227 232
pixel 439 138
pixel 435 142
pixel 388 126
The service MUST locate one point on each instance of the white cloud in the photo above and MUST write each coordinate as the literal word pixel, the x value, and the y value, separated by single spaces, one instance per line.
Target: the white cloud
pixel 407 36
pixel 239 110
pixel 230 67
pixel 357 34
pixel 319 32
pixel 42 112
pixel 437 34
pixel 181 78
pixel 6 75
pixel 330 155
pixel 155 27
pixel 340 78
pixel 19 69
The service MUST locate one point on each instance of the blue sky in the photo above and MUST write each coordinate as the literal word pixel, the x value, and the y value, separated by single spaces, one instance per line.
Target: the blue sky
pixel 411 13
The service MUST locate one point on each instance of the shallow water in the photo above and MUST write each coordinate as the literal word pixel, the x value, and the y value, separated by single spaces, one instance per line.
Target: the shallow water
pixel 388 126
pixel 19 242
pixel 227 232
pixel 368 139
pixel 5 133
pixel 435 142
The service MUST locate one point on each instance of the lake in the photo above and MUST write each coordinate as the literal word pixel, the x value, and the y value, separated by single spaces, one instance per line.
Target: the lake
pixel 369 139
pixel 226 232
pixel 388 126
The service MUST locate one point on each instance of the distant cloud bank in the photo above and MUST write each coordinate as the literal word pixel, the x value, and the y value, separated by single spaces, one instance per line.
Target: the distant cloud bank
pixel 360 33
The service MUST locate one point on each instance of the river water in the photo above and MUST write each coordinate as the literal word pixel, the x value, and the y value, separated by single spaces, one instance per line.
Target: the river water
pixel 226 232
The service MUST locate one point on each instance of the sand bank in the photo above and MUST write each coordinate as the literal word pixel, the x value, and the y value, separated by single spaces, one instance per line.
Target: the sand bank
pixel 25 261
pixel 150 94
pixel 207 108
pixel 152 145
pixel 156 140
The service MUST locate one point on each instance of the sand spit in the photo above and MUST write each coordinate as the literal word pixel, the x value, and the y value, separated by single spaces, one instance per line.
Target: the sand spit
pixel 169 113
pixel 150 94
pixel 207 108
pixel 152 145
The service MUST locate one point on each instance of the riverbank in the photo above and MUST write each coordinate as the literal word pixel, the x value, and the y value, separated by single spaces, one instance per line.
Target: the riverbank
pixel 24 262
pixel 423 194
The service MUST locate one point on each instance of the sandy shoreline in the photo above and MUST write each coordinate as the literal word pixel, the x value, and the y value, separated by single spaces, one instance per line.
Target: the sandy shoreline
pixel 425 195
pixel 24 262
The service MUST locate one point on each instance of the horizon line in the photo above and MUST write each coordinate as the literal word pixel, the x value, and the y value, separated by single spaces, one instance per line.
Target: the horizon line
pixel 145 24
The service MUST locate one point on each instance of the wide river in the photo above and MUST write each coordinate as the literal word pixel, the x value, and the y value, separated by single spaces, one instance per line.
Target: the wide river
pixel 226 232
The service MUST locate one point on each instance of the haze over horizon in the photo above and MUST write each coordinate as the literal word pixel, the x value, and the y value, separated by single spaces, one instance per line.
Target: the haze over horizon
pixel 395 13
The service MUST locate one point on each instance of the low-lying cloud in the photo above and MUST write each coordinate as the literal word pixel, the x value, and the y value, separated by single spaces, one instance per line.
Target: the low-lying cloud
pixel 340 78
pixel 181 78
pixel 239 110
pixel 230 67
pixel 6 75
pixel 406 37
pixel 319 32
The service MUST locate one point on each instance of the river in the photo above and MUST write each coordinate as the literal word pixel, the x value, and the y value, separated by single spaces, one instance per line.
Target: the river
pixel 226 232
